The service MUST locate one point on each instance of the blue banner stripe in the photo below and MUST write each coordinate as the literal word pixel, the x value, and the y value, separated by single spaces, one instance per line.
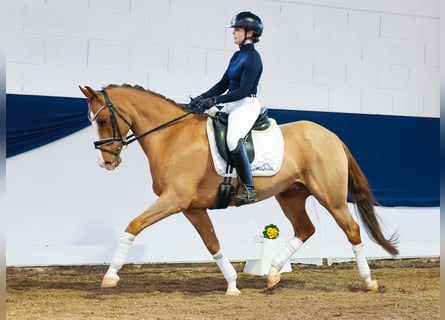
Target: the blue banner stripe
pixel 33 121
pixel 399 155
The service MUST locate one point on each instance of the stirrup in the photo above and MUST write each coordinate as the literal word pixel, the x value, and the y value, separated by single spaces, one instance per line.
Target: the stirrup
pixel 248 196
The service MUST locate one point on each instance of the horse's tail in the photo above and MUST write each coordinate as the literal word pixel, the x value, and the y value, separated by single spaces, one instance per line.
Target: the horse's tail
pixel 362 196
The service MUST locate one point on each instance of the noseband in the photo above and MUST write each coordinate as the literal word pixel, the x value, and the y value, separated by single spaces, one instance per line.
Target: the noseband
pixel 117 134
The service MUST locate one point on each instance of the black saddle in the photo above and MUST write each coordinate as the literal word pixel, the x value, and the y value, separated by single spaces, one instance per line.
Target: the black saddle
pixel 220 128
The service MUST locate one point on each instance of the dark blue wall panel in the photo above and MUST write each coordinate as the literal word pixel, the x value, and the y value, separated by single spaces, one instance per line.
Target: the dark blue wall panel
pixel 33 121
pixel 399 155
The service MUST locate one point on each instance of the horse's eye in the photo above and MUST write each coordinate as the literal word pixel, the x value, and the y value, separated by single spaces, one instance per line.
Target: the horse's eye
pixel 102 121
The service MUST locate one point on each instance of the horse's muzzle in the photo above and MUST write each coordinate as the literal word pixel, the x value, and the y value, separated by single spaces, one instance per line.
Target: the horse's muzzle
pixel 110 164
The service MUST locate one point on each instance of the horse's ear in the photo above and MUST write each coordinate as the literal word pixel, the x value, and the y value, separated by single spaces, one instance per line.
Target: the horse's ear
pixel 89 93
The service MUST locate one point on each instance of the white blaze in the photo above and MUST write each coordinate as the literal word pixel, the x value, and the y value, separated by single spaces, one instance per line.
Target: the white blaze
pixel 100 160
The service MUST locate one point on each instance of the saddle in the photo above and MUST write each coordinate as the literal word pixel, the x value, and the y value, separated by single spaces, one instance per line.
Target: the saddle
pixel 226 190
pixel 220 121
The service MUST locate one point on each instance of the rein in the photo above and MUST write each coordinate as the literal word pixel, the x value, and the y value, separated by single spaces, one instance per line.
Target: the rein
pixel 98 144
pixel 131 138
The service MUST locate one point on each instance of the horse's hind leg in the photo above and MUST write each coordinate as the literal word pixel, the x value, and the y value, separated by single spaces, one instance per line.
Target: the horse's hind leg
pixel 202 223
pixel 351 228
pixel 292 202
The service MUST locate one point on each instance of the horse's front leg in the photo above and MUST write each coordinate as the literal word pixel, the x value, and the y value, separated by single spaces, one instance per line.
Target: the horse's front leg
pixel 163 207
pixel 202 223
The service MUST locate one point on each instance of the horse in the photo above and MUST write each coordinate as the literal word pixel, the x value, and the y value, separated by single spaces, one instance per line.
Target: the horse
pixel 315 162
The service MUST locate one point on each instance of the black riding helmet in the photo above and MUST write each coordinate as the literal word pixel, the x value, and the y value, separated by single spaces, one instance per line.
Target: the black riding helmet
pixel 248 21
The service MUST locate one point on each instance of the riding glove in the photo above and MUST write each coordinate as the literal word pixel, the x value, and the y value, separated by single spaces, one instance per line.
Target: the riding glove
pixel 195 101
pixel 207 103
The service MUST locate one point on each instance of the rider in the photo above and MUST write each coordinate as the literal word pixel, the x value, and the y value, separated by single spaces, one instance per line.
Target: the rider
pixel 240 80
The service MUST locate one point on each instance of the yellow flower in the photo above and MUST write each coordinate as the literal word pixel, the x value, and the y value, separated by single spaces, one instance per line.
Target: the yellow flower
pixel 271 231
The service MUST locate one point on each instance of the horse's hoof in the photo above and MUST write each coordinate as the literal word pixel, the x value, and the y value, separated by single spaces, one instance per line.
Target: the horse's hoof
pixel 272 280
pixel 109 282
pixel 233 292
pixel 373 286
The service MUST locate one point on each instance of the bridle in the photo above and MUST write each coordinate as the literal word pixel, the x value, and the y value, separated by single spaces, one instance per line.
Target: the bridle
pixel 117 134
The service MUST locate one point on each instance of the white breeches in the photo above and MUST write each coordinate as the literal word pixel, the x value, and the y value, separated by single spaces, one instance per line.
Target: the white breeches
pixel 242 116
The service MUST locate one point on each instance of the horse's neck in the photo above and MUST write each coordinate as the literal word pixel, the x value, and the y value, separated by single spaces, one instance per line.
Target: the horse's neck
pixel 168 147
pixel 153 111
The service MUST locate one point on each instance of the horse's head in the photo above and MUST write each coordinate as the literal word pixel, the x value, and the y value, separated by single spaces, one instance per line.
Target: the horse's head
pixel 112 127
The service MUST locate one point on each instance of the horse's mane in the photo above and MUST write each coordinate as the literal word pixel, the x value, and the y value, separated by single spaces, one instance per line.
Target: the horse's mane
pixel 140 88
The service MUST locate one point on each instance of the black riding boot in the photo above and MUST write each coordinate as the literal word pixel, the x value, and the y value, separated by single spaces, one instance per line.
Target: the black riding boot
pixel 241 163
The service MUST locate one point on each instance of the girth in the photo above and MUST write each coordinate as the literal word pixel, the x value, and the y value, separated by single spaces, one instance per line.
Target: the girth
pixel 220 121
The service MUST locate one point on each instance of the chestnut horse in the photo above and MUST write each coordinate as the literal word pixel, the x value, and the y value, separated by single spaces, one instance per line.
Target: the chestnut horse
pixel 316 162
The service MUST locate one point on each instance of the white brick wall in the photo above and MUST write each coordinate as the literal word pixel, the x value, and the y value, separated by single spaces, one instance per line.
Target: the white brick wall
pixel 409 28
pixel 378 57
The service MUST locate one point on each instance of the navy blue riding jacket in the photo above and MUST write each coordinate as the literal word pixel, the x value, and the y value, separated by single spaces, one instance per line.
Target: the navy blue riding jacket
pixel 241 77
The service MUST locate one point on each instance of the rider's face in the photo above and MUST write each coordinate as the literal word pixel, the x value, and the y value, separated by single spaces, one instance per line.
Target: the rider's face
pixel 238 35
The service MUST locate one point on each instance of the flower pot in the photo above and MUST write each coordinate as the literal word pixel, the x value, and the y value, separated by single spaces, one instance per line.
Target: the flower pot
pixel 270 247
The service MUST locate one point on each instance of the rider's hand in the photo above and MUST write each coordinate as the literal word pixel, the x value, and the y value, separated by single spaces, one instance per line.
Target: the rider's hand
pixel 194 102
pixel 207 103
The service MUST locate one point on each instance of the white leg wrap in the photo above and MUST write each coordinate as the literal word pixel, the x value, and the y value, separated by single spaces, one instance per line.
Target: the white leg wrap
pixel 363 267
pixel 229 273
pixel 284 255
pixel 226 268
pixel 362 264
pixel 120 255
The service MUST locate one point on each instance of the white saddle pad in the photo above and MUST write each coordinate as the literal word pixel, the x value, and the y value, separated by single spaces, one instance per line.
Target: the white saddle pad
pixel 269 149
